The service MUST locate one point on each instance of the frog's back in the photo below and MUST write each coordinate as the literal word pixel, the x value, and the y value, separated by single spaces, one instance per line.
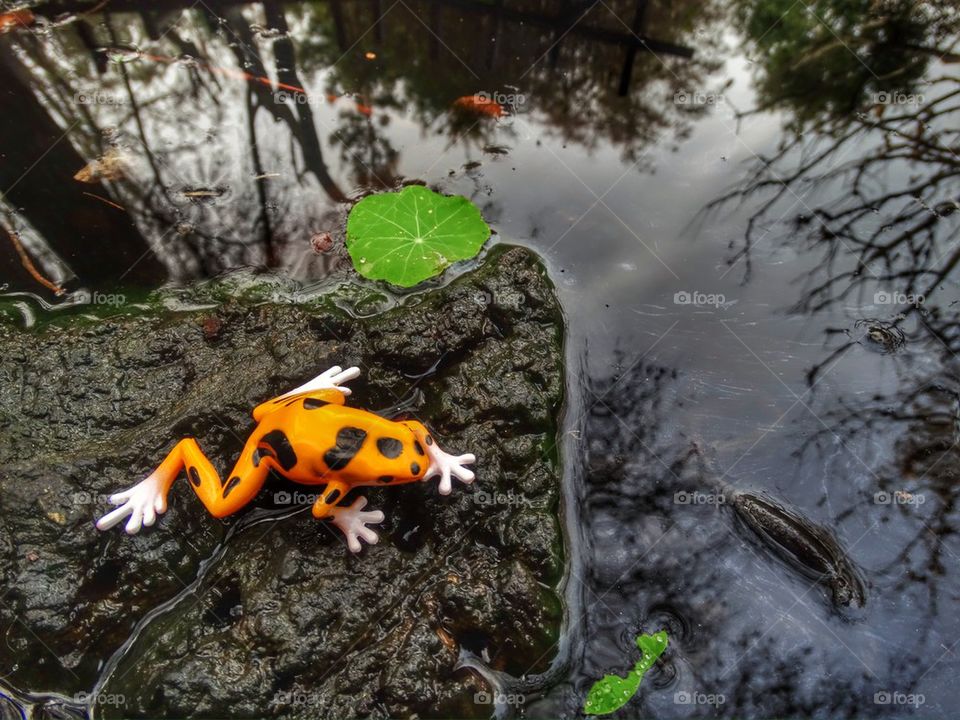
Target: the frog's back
pixel 314 442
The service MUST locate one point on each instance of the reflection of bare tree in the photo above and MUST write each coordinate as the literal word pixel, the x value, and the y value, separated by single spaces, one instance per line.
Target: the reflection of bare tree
pixel 911 488
pixel 212 184
pixel 36 176
pixel 876 141
pixel 740 625
pixel 561 64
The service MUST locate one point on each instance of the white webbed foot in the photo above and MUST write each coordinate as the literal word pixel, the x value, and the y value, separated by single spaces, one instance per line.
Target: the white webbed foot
pixel 328 380
pixel 143 502
pixel 447 466
pixel 353 522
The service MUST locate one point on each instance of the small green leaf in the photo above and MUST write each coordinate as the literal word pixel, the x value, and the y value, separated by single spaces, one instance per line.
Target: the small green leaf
pixel 408 236
pixel 612 692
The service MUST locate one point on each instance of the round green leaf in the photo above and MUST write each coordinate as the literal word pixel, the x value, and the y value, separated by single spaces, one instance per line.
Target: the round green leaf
pixel 408 236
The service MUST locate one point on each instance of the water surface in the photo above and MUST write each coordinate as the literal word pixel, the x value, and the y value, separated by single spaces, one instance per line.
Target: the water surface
pixel 749 211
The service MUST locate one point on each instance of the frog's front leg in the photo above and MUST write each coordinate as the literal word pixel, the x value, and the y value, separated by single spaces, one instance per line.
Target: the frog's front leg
pixel 351 520
pixel 441 463
pixel 328 380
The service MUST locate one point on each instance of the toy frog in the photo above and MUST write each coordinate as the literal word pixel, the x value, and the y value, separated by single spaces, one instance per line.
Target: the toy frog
pixel 309 436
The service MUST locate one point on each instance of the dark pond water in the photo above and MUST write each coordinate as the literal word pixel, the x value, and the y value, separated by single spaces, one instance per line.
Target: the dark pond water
pixel 749 210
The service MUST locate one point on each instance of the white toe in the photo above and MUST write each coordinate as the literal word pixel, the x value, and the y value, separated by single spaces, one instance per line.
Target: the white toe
pixel 112 518
pixel 353 522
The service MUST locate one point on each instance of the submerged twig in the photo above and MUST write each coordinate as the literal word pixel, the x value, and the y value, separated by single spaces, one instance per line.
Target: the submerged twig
pixel 30 267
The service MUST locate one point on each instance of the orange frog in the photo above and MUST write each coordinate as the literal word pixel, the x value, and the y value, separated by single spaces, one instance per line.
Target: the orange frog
pixel 309 436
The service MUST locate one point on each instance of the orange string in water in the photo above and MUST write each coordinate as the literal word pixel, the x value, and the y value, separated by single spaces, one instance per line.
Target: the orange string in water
pixel 229 72
pixel 362 108
pixel 103 199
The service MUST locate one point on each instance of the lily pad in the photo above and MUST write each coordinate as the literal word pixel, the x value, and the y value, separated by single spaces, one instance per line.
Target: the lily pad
pixel 408 236
pixel 612 691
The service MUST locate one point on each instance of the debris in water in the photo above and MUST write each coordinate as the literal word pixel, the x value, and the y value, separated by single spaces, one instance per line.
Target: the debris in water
pixel 30 267
pixel 805 546
pixel 122 54
pixel 203 195
pixel 883 336
pixel 109 166
pixel 321 242
pixel 479 104
pixel 267 33
pixel 104 200
pixel 496 149
pixel 16 19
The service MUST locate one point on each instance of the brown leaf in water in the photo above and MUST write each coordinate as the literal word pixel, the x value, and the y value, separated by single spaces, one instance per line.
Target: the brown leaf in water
pixel 109 166
pixel 479 104
pixel 16 19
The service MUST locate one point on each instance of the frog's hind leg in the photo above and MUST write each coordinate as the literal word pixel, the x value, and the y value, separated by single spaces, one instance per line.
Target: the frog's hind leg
pixel 351 519
pixel 148 498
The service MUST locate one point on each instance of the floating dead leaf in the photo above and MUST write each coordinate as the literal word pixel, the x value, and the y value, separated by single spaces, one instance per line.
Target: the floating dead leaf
pixel 16 19
pixel 321 242
pixel 479 105
pixel 109 166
